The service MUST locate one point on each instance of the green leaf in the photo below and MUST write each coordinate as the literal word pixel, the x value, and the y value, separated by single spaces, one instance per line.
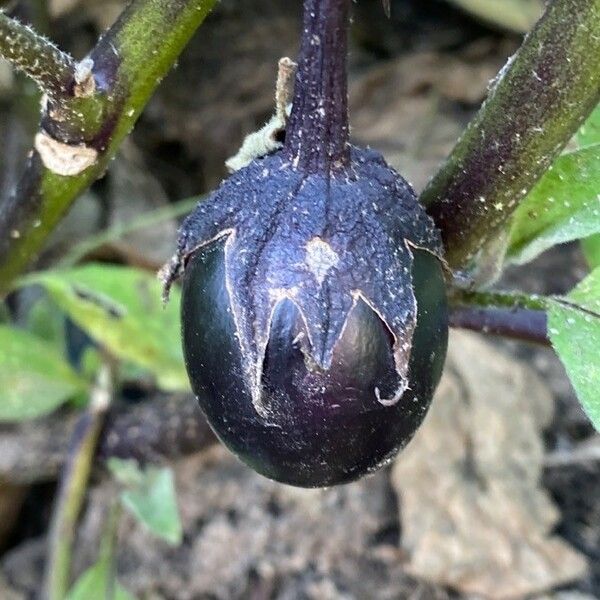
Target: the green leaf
pixel 591 250
pixel 589 132
pixel 563 206
pixel 574 329
pixel 121 308
pixel 126 472
pixel 47 321
pixel 516 15
pixel 4 313
pixel 149 495
pixel 34 378
pixel 94 585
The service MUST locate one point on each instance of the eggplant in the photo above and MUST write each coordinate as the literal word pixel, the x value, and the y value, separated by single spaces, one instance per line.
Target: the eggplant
pixel 314 311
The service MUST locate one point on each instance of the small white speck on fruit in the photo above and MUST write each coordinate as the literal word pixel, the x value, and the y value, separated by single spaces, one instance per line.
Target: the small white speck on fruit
pixel 320 257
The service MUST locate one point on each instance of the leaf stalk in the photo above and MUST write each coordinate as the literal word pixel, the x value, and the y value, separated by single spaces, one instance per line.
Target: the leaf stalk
pixel 73 487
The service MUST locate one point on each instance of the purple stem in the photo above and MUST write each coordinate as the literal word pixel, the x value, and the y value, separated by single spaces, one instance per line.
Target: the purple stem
pixel 317 133
pixel 517 323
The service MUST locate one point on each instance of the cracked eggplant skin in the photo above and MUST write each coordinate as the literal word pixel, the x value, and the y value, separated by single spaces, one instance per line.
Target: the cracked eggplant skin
pixel 324 427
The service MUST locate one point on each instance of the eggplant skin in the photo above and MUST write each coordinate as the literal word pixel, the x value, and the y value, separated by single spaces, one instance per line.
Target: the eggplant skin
pixel 319 427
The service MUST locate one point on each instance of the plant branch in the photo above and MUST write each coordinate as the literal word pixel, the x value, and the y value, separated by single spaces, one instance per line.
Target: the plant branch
pixel 517 323
pixel 536 104
pixel 497 299
pixel 513 315
pixel 73 486
pixel 51 68
pixel 81 132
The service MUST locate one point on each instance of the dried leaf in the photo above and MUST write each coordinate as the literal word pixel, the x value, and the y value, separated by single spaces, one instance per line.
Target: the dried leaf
pixel 515 15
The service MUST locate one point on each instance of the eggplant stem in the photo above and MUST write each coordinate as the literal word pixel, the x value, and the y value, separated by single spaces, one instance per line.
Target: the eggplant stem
pixel 317 134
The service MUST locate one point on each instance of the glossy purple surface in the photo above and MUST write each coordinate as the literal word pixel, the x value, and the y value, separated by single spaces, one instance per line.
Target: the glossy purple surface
pixel 314 310
pixel 320 427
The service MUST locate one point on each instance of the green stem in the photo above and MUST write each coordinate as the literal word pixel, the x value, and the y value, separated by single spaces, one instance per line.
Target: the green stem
pixel 127 65
pixel 107 556
pixel 73 488
pixel 498 299
pixel 36 56
pixel 536 105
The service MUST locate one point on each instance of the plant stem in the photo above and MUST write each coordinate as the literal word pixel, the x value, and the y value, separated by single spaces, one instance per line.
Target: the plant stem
pixel 36 56
pixel 536 105
pixel 108 551
pixel 317 133
pixel 498 299
pixel 126 65
pixel 73 486
pixel 513 315
pixel 517 323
